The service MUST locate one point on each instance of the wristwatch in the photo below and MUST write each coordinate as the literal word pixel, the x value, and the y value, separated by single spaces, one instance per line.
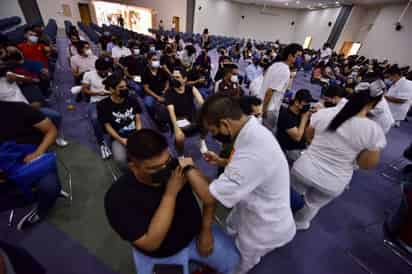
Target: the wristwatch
pixel 187 168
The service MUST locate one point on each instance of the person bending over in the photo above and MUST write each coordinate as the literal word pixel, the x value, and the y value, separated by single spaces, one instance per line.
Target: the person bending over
pixel 180 102
pixel 341 139
pixel 292 124
pixel 119 114
pixel 153 207
pixel 29 126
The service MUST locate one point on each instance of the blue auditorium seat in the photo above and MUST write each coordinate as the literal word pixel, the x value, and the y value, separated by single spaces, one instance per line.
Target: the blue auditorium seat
pixel 9 22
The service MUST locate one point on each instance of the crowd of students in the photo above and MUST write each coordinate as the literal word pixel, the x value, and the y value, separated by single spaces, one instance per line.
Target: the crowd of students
pixel 263 136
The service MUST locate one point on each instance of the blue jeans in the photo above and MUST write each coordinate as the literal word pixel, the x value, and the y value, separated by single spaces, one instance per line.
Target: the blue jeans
pixel 156 110
pixel 224 259
pixel 53 115
pixel 137 88
pixel 47 191
pixel 296 200
pixel 97 127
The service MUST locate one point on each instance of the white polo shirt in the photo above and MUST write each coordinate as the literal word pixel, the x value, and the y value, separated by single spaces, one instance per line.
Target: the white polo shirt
pixel 329 160
pixel 93 79
pixel 256 184
pixel 402 89
pixel 255 87
pixel 276 78
pixel 118 52
pixel 10 92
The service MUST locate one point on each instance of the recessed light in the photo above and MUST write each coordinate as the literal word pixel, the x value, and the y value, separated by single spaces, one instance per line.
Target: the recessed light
pixel 298 2
pixel 337 2
pixel 319 4
pixel 287 4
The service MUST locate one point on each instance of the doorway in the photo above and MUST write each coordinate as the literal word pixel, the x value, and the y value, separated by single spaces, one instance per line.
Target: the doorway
pixel 350 48
pixel 176 23
pixel 31 12
pixel 85 14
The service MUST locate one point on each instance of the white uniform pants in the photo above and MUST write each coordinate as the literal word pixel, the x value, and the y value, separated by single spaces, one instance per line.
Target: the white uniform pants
pixel 314 197
pixel 249 256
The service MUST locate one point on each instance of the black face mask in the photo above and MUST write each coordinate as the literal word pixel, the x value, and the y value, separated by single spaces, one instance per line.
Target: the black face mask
pixel 103 74
pixel 328 104
pixel 223 138
pixel 175 83
pixel 305 108
pixel 163 175
pixel 124 93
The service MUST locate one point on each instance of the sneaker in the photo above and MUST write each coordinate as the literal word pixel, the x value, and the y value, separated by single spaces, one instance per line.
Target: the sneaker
pixel 61 142
pixel 397 123
pixel 302 226
pixel 31 218
pixel 105 152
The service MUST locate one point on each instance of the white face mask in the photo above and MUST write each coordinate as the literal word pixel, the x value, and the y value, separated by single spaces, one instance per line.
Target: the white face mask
pixel 34 39
pixel 155 64
pixel 152 49
pixel 260 119
pixel 136 51
pixel 89 52
pixel 234 79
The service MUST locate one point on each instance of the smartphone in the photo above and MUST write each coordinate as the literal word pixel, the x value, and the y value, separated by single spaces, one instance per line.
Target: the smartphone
pixel 137 79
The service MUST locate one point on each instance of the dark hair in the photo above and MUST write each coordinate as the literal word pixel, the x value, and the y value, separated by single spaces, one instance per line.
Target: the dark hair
pixel 29 28
pixel 394 70
pixel 290 49
pixel 145 144
pixel 247 102
pixel 150 55
pixel 80 45
pixel 355 104
pixel 112 81
pixel 218 107
pixel 334 90
pixel 103 63
pixel 206 31
pixel 190 50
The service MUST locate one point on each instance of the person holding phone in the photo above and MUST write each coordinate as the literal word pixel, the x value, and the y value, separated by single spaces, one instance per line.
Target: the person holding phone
pixel 292 124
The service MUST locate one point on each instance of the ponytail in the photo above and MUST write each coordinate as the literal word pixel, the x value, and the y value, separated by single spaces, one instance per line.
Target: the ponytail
pixel 355 105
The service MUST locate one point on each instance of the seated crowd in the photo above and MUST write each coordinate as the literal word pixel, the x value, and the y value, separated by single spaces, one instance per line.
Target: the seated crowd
pixel 281 160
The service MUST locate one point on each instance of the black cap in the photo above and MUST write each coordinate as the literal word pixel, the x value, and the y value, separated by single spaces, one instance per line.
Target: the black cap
pixel 304 95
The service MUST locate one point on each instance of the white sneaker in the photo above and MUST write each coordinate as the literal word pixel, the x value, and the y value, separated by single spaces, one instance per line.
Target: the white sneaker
pixel 397 123
pixel 302 226
pixel 61 142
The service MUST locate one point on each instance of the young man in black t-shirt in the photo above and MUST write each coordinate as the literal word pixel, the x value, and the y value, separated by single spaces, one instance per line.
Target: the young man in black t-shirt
pixel 292 124
pixel 153 207
pixel 155 85
pixel 23 124
pixel 119 114
pixel 180 102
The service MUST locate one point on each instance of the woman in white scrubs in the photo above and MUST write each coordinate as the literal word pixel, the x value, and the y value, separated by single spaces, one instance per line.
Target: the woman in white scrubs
pixel 342 139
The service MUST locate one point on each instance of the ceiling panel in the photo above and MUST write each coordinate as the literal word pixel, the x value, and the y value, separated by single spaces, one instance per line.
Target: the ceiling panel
pixel 317 4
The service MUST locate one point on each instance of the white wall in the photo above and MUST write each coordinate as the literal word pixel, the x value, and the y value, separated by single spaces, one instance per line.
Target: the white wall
pixel 220 17
pixel 272 27
pixel 11 8
pixel 54 9
pixel 224 18
pixel 315 23
pixel 383 42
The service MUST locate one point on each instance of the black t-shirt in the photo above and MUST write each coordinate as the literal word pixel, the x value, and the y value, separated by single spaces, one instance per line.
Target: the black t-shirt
pixel 17 122
pixel 135 65
pixel 130 206
pixel 104 40
pixel 183 103
pixel 157 82
pixel 169 62
pixel 121 117
pixel 287 120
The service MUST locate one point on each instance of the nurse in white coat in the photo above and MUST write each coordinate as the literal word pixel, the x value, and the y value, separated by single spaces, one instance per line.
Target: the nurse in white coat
pixel 255 182
pixel 399 96
pixel 340 139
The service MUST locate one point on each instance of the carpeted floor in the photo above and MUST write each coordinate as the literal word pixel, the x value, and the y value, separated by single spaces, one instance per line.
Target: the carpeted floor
pixel 345 238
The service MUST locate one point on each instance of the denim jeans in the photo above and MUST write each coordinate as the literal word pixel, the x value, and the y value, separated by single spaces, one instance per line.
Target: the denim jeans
pixel 156 110
pixel 224 259
pixel 137 88
pixel 47 191
pixel 53 115
pixel 97 127
pixel 205 92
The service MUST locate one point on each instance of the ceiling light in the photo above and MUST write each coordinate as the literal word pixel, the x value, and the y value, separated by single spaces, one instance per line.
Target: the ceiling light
pixel 298 2
pixel 337 3
pixel 319 4
pixel 286 3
